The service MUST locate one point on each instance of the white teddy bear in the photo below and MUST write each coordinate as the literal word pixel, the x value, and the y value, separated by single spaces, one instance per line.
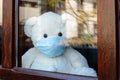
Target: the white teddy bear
pixel 50 52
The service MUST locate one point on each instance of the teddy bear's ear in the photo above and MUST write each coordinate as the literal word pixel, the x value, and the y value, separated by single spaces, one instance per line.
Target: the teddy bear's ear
pixel 71 25
pixel 29 24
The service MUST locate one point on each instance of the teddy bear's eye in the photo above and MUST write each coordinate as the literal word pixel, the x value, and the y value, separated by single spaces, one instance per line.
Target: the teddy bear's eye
pixel 45 35
pixel 59 34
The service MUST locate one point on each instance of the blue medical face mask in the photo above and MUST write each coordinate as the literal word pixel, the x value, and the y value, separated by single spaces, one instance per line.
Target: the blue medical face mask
pixel 51 46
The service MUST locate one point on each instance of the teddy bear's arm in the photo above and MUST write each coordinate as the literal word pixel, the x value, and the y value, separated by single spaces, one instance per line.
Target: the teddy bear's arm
pixel 28 58
pixel 79 63
pixel 85 71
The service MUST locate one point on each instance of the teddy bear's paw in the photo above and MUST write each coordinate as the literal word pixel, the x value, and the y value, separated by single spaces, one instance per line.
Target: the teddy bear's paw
pixel 85 71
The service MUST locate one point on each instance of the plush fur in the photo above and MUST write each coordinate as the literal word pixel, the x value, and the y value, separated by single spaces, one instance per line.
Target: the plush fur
pixel 70 62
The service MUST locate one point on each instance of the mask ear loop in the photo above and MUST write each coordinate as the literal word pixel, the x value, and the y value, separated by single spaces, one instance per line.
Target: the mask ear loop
pixel 45 30
pixel 65 43
pixel 60 28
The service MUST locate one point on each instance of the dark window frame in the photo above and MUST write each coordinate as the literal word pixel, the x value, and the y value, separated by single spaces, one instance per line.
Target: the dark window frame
pixel 108 45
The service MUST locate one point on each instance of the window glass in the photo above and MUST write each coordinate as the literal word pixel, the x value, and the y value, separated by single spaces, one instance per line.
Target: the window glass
pixel 0 31
pixel 54 35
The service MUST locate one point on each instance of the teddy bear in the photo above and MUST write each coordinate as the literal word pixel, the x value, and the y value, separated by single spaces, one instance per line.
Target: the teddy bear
pixel 50 51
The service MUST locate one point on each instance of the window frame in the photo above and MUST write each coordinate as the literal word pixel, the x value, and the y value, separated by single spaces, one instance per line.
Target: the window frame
pixel 108 49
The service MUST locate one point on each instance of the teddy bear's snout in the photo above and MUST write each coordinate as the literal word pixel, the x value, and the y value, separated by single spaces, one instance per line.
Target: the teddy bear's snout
pixel 51 46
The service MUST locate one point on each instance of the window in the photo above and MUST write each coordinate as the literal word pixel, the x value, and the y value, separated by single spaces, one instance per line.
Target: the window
pixel 107 51
pixel 86 18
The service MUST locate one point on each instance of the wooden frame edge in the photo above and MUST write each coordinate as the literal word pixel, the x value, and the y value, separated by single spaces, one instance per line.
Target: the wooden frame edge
pixel 117 10
pixel 25 74
pixel 107 51
pixel 106 15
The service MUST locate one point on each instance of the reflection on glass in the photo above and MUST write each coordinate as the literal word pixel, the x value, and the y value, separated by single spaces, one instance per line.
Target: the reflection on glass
pixel 78 29
pixel 0 30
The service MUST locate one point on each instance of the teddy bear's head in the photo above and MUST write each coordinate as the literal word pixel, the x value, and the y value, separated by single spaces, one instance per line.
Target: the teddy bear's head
pixel 47 33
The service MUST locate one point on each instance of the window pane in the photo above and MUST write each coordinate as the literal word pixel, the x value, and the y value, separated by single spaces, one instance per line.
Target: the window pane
pixel 0 31
pixel 54 35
